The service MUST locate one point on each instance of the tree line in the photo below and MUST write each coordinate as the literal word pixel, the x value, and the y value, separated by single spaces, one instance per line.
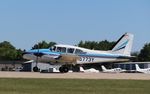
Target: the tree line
pixel 9 52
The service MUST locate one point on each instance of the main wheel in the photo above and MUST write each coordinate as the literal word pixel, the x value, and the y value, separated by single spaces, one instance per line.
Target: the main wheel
pixel 35 69
pixel 63 69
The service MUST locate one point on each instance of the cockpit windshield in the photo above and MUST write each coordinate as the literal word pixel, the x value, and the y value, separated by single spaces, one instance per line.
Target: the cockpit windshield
pixel 53 48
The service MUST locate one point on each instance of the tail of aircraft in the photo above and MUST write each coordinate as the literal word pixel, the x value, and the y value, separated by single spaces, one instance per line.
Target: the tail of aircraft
pixel 81 69
pixel 124 45
pixel 137 67
pixel 103 68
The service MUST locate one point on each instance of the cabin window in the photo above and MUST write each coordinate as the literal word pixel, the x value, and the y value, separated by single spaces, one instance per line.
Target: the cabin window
pixel 70 50
pixel 61 49
pixel 78 51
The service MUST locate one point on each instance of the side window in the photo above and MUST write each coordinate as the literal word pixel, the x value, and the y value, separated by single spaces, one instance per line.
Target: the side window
pixel 79 51
pixel 58 49
pixel 70 50
pixel 61 49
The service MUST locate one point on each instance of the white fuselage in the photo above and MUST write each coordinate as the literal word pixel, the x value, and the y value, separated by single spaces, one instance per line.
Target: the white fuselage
pixel 86 56
pixel 67 54
pixel 95 56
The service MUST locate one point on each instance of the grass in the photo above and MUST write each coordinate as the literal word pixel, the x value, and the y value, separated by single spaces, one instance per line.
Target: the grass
pixel 73 86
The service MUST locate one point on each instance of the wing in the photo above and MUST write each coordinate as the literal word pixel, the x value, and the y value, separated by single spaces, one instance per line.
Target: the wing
pixel 61 58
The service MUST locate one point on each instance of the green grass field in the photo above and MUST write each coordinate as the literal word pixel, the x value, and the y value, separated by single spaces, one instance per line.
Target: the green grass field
pixel 73 86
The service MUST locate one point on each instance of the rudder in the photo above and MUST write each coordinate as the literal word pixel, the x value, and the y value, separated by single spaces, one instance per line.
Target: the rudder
pixel 103 68
pixel 124 45
pixel 137 67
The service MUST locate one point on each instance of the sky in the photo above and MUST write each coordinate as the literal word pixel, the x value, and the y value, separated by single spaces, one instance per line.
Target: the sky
pixel 26 22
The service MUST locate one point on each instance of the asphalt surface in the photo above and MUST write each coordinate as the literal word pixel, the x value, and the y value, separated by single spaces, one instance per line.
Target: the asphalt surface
pixel 131 76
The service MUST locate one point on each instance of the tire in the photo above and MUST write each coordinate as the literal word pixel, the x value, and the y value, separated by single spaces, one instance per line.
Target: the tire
pixel 35 69
pixel 65 69
pixel 61 69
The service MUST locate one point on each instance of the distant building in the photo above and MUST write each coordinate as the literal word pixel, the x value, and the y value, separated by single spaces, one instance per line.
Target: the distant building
pixel 28 66
pixel 10 65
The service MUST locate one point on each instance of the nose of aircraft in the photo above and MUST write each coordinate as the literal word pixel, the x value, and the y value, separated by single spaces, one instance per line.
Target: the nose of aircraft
pixel 33 54
pixel 43 55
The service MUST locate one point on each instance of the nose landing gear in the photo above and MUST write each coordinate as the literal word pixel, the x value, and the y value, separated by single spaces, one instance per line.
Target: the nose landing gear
pixel 35 69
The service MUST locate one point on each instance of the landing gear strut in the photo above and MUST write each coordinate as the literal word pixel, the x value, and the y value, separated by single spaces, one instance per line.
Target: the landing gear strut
pixel 35 69
pixel 63 69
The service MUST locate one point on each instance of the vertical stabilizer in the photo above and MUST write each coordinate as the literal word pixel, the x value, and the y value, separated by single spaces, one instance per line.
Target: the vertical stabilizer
pixel 124 45
pixel 81 69
pixel 103 68
pixel 137 67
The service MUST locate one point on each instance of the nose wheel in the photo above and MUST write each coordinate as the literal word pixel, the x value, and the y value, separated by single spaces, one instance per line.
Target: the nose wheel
pixel 35 69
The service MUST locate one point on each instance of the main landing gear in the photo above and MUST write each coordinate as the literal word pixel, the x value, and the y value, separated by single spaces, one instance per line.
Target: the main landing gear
pixel 64 69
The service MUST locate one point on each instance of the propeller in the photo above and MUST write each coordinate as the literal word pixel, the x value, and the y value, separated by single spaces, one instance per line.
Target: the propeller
pixel 36 69
pixel 37 57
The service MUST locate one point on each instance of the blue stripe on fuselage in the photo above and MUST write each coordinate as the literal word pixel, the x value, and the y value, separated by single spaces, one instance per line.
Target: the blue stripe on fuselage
pixel 100 55
pixel 122 46
pixel 48 52
pixel 44 51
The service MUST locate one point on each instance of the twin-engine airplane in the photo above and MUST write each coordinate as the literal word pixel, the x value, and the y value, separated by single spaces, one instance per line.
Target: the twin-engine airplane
pixel 71 55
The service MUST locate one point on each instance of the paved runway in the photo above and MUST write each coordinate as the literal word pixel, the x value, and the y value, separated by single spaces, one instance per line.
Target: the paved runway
pixel 131 76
